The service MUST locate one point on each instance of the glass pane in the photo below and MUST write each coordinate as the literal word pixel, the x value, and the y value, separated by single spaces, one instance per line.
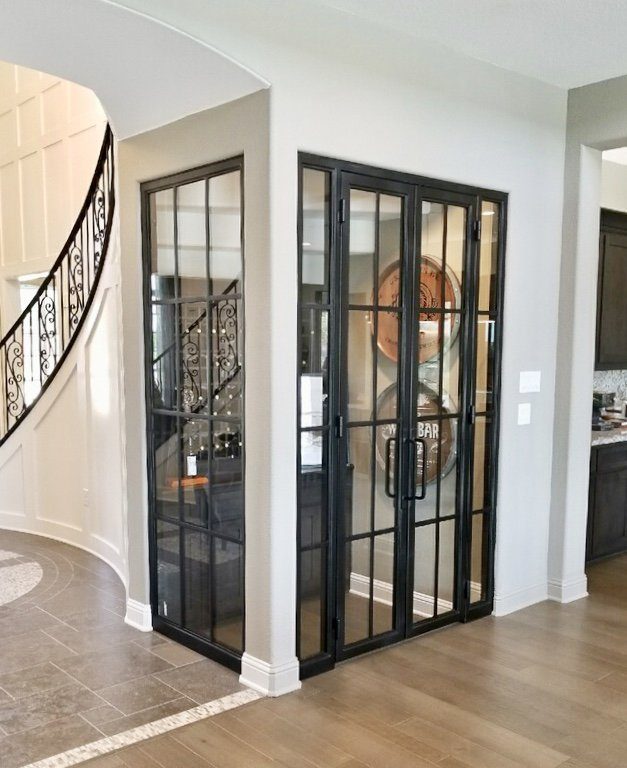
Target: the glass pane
pixel 198 587
pixel 360 362
pixel 192 239
pixel 226 476
pixel 313 487
pixel 357 597
pixel 485 363
pixel 164 430
pixel 316 230
pixel 489 255
pixel 477 558
pixel 388 335
pixel 228 574
pixel 227 351
pixel 424 573
pixel 448 476
pixel 439 340
pixel 225 233
pixel 194 482
pixel 383 593
pixel 311 602
pixel 314 368
pixel 359 447
pixel 390 244
pixel 168 572
pixel 194 363
pixel 363 212
pixel 446 567
pixel 164 355
pixel 455 244
pixel 162 282
pixel 481 463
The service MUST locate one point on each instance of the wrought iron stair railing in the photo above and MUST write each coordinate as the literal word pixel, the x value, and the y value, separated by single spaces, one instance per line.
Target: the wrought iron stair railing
pixel 34 348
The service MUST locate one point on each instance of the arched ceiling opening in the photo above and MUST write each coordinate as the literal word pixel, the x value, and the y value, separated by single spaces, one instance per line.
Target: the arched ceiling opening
pixel 144 72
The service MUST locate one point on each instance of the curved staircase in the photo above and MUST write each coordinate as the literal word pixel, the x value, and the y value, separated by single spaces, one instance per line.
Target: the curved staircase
pixel 34 348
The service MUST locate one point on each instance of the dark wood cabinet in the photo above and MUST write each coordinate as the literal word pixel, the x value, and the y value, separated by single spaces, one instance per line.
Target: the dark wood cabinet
pixel 607 512
pixel 611 339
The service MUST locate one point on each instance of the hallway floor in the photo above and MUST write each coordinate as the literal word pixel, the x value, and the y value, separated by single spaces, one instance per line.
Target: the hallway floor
pixel 71 671
pixel 541 688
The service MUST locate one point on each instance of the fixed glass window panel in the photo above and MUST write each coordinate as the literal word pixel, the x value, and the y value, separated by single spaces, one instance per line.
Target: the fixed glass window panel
pixel 488 261
pixel 478 556
pixel 312 591
pixel 484 377
pixel 191 222
pixel 313 487
pixel 227 479
pixel 423 597
pixel 198 582
pixel 228 592
pixel 193 356
pixel 316 203
pixel 163 320
pixel 168 571
pixel 225 236
pixel 357 587
pixel 166 465
pixel 481 463
pixel 163 268
pixel 227 353
pixel 363 226
pixel 194 480
pixel 314 378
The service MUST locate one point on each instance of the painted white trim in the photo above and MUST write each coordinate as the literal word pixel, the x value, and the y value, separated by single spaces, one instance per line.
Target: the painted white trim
pixel 270 679
pixel 384 593
pixel 521 598
pixel 138 615
pixel 148 731
pixel 568 591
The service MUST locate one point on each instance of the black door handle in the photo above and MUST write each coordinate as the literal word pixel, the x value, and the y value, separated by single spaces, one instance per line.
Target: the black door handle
pixel 423 473
pixel 388 463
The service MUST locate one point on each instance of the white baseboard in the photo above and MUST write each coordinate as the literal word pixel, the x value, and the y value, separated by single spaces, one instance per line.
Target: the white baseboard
pixel 138 615
pixel 522 598
pixel 269 679
pixel 568 591
pixel 383 592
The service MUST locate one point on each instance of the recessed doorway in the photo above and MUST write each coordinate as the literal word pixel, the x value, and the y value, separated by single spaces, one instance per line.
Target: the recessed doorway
pixel 400 334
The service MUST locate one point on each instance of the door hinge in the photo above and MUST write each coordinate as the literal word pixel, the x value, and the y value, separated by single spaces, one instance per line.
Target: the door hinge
pixel 341 213
pixel 339 426
pixel 472 411
pixel 336 627
pixel 476 229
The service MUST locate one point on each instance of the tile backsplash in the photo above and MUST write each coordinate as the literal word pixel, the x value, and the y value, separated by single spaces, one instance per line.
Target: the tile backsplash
pixel 611 381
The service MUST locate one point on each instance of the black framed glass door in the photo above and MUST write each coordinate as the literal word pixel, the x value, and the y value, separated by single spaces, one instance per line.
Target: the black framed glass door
pixel 193 263
pixel 398 536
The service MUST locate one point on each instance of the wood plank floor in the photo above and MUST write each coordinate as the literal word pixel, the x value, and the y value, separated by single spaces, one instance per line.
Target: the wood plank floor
pixel 542 688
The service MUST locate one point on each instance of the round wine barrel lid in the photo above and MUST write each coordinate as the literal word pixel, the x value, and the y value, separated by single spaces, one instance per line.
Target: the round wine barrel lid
pixel 434 431
pixel 432 324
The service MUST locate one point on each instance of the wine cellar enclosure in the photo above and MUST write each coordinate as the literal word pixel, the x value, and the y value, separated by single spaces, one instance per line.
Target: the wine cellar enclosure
pixel 194 324
pixel 400 311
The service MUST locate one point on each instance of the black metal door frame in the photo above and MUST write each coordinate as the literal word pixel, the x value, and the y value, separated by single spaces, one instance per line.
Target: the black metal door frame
pixel 414 189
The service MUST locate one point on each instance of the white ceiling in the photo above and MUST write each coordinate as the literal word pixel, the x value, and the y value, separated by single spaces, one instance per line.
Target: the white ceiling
pixel 567 43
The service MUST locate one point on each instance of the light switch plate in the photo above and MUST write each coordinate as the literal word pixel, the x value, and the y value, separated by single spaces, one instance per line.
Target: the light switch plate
pixel 530 381
pixel 524 414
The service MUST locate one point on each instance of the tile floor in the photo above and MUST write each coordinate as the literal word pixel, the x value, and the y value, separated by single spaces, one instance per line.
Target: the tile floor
pixel 71 670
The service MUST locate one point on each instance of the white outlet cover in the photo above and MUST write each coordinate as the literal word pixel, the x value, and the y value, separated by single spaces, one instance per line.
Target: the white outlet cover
pixel 530 381
pixel 524 414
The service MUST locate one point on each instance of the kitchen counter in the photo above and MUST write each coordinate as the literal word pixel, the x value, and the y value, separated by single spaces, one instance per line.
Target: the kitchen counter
pixel 618 435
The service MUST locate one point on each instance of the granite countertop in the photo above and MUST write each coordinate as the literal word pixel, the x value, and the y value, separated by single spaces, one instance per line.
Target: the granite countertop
pixel 618 435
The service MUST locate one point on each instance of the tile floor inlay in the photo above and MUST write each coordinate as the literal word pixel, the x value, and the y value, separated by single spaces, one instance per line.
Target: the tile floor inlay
pixel 77 682
pixel 18 576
